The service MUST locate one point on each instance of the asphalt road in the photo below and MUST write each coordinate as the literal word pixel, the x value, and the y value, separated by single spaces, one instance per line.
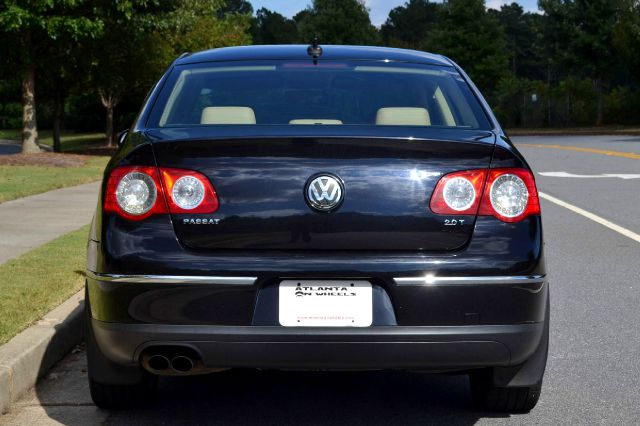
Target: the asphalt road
pixel 9 147
pixel 593 373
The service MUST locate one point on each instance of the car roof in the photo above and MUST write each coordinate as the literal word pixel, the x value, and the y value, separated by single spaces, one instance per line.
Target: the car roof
pixel 299 52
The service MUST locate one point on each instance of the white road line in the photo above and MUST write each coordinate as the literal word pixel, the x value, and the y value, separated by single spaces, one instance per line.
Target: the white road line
pixel 602 221
pixel 606 175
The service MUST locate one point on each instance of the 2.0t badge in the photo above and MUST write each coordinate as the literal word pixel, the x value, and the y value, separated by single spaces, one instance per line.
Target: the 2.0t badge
pixel 324 192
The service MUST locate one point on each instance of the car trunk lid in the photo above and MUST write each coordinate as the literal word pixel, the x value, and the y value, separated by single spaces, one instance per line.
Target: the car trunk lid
pixel 261 184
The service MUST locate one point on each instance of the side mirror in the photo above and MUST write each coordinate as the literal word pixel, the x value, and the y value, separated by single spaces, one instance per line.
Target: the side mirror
pixel 122 136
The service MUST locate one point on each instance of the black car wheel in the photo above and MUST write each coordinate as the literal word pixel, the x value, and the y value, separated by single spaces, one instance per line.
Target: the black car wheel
pixel 113 386
pixel 488 397
pixel 514 399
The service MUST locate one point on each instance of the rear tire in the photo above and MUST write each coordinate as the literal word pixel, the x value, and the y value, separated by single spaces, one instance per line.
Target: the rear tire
pixel 513 399
pixel 114 386
pixel 488 397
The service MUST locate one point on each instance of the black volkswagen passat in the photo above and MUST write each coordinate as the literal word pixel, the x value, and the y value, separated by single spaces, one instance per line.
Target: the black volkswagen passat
pixel 343 208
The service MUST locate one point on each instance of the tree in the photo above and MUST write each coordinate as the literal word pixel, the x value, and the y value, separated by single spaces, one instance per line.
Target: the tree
pixel 627 35
pixel 209 32
pixel 272 28
pixel 64 69
pixel 241 7
pixel 34 27
pixel 337 22
pixel 580 37
pixel 124 63
pixel 141 38
pixel 519 29
pixel 409 25
pixel 594 23
pixel 474 39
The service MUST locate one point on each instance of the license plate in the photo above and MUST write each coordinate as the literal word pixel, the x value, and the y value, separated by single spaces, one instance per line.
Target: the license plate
pixel 325 303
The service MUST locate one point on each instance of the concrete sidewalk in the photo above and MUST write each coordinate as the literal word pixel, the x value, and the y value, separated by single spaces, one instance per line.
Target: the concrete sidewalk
pixel 25 224
pixel 29 222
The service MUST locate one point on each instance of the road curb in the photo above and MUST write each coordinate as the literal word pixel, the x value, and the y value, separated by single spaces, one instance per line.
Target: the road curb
pixel 30 354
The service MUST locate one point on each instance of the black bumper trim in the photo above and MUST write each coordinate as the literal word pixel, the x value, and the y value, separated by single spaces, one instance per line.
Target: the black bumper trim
pixel 393 347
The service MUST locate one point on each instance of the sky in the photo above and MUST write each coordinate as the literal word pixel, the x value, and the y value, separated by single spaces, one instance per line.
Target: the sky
pixel 378 9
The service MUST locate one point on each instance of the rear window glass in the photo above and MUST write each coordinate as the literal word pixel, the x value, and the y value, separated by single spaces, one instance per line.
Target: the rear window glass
pixel 330 93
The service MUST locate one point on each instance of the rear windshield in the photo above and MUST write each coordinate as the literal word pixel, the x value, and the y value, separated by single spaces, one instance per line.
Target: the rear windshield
pixel 329 93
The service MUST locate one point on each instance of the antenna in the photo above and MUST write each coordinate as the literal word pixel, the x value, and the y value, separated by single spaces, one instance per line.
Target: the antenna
pixel 314 50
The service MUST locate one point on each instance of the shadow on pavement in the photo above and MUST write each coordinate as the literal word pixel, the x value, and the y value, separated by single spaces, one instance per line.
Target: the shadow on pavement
pixel 270 398
pixel 259 397
pixel 628 139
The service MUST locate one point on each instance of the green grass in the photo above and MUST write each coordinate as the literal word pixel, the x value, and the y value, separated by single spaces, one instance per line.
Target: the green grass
pixel 40 280
pixel 69 141
pixel 10 134
pixel 20 181
pixel 74 141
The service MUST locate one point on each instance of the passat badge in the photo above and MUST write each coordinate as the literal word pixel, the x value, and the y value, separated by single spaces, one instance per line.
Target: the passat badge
pixel 199 221
pixel 324 192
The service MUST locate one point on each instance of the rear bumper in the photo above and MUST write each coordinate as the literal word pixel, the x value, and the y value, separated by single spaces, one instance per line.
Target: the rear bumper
pixel 397 300
pixel 381 347
pixel 443 323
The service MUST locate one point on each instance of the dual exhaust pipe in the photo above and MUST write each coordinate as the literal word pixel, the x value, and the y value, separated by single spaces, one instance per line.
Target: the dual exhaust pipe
pixel 174 361
pixel 178 364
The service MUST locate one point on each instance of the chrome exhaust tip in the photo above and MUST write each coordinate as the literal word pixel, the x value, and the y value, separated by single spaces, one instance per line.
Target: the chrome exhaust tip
pixel 182 364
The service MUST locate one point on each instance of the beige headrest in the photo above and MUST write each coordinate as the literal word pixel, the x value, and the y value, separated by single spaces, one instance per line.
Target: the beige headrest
pixel 228 115
pixel 403 116
pixel 315 121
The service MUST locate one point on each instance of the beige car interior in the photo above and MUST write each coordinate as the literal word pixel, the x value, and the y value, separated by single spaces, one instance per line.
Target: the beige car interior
pixel 315 121
pixel 228 115
pixel 389 116
pixel 444 107
pixel 403 116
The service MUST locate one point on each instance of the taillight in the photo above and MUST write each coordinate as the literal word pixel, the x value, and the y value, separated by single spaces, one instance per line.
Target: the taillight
pixel 508 194
pixel 188 191
pixel 458 193
pixel 137 192
pixel 134 192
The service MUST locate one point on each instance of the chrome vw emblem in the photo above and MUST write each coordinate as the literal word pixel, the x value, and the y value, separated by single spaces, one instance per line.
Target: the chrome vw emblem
pixel 324 192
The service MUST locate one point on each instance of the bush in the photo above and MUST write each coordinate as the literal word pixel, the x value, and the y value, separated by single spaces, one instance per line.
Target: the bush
pixel 621 105
pixel 12 115
pixel 575 103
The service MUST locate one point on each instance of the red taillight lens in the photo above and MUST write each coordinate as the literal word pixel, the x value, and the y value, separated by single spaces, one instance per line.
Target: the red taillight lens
pixel 508 194
pixel 137 192
pixel 134 192
pixel 458 193
pixel 188 191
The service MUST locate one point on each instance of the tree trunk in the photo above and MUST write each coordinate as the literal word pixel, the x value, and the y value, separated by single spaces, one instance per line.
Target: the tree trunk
pixel 109 130
pixel 29 124
pixel 597 85
pixel 549 96
pixel 109 101
pixel 57 121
